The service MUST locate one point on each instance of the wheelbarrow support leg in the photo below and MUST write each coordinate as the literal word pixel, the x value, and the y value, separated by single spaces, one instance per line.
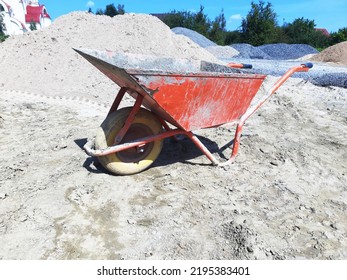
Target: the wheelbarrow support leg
pixel 117 100
pixel 202 147
pixel 254 108
pixel 129 120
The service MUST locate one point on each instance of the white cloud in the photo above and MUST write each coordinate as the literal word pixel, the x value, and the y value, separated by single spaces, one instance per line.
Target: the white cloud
pixel 235 17
pixel 90 4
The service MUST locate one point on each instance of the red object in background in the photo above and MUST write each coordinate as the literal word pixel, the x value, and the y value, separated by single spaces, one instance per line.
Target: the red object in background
pixel 188 101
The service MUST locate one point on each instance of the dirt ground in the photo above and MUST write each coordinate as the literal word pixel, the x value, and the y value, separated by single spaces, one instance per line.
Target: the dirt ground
pixel 285 197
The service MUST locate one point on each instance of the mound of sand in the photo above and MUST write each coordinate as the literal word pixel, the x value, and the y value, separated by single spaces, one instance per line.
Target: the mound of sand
pixel 336 54
pixel 285 197
pixel 44 62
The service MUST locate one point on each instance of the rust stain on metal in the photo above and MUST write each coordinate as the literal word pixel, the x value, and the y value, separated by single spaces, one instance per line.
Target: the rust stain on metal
pixel 205 101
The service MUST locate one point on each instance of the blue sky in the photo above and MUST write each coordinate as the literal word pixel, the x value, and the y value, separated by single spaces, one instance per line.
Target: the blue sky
pixel 329 14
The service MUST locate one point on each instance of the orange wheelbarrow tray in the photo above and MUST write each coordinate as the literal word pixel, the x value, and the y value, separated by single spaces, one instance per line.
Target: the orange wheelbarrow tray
pixel 187 94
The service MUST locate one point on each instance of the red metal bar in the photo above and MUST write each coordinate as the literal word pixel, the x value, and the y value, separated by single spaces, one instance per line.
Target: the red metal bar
pixel 202 147
pixel 117 100
pixel 164 124
pixel 129 120
pixel 251 111
pixel 132 144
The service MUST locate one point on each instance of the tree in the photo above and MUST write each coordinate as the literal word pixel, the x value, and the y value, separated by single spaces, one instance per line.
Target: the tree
pixel 2 28
pixel 2 24
pixel 111 10
pixel 232 37
pixel 198 22
pixel 302 31
pixel 339 36
pixel 179 19
pixel 201 22
pixel 259 26
pixel 120 9
pixel 99 12
pixel 32 26
pixel 217 31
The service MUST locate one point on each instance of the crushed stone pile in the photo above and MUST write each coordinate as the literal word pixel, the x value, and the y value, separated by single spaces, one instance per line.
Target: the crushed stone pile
pixel 276 59
pixel 249 51
pixel 223 52
pixel 43 61
pixel 287 51
pixel 336 53
pixel 196 37
pixel 279 51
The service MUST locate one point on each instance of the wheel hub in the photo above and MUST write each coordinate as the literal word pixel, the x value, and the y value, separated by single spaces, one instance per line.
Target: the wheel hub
pixel 136 154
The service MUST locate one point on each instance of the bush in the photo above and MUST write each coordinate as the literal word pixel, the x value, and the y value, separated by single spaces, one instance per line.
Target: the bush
pixel 2 29
pixel 260 25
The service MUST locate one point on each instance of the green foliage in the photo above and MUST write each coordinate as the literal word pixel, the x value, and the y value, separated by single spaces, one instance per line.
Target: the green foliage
pixel 2 29
pixel 111 10
pixel 2 24
pixel 179 19
pixel 302 31
pixel 32 26
pixel 232 37
pixel 99 12
pixel 339 36
pixel 217 32
pixel 199 22
pixel 2 37
pixel 259 26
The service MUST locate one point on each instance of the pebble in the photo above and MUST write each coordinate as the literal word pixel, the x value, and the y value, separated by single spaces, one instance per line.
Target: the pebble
pixel 3 195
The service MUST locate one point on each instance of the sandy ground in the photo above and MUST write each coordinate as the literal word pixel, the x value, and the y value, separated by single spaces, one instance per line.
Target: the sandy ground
pixel 284 197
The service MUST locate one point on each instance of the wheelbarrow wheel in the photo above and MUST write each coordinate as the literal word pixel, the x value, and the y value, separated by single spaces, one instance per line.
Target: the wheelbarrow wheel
pixel 131 160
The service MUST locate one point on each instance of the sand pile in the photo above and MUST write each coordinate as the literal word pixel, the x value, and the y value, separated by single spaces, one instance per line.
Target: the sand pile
pixel 336 54
pixel 285 196
pixel 43 61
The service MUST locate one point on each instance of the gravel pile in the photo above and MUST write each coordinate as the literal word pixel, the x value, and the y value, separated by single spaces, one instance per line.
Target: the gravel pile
pixel 276 59
pixel 321 74
pixel 274 51
pixel 287 51
pixel 223 52
pixel 248 51
pixel 196 37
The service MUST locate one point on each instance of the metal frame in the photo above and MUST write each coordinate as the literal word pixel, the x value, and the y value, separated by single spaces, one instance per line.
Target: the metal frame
pixel 174 132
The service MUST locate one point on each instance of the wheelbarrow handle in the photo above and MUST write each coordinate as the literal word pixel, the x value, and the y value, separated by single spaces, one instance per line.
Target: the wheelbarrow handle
pixel 308 65
pixel 240 65
pixel 301 68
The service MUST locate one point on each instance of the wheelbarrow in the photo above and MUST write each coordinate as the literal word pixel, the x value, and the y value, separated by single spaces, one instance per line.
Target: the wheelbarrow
pixel 175 98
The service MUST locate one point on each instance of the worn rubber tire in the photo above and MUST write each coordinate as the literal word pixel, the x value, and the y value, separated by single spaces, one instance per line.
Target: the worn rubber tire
pixel 129 161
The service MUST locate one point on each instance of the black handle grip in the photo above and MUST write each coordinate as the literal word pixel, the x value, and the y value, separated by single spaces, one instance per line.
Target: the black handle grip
pixel 247 66
pixel 308 64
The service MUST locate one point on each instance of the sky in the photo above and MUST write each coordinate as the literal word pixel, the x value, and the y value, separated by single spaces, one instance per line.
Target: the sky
pixel 329 14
